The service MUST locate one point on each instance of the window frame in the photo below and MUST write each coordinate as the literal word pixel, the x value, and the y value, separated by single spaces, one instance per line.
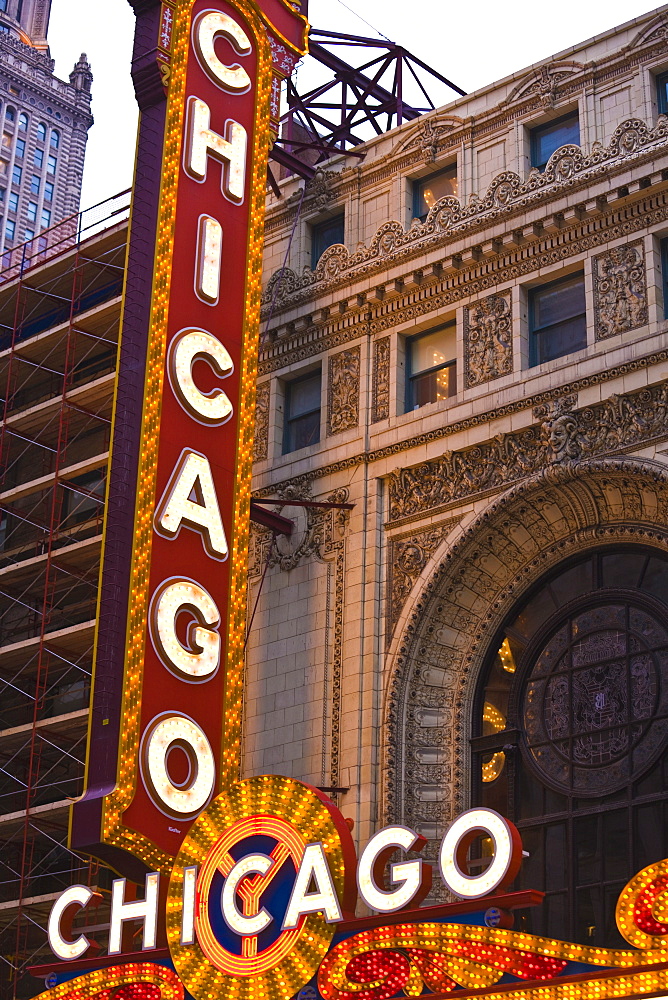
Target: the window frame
pixel 534 359
pixel 411 376
pixel 318 227
pixel 534 130
pixel 664 274
pixel 288 421
pixel 51 165
pixel 419 182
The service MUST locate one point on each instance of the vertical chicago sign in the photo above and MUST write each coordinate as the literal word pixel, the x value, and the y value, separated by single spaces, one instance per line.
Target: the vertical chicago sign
pixel 164 732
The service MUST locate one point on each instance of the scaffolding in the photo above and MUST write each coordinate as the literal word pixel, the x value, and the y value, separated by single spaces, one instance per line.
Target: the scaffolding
pixel 60 305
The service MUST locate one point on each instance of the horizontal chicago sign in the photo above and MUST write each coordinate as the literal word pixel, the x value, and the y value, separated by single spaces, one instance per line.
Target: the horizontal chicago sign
pixel 261 900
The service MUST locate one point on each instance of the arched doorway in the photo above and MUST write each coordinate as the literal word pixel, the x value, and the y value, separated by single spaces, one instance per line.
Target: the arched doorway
pixel 577 520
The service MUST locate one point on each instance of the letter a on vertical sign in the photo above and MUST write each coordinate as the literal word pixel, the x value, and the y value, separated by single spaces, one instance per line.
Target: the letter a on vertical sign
pixel 164 732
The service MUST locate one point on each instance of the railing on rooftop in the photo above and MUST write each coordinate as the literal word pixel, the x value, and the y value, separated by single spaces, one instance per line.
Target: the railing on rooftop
pixel 64 236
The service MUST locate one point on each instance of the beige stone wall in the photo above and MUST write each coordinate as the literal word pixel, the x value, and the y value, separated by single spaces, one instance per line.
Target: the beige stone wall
pixel 336 636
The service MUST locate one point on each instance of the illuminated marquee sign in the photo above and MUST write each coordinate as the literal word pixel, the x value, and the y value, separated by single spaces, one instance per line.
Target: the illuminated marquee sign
pixel 172 740
pixel 261 900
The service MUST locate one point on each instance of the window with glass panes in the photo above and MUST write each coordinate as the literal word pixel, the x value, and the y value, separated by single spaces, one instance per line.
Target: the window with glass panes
pixel 38 158
pixel 570 733
pixel 325 235
pixel 431 366
pixel 429 190
pixel 557 319
pixel 48 191
pixel 17 174
pixel 545 139
pixel 662 93
pixel 13 202
pixel 20 148
pixel 46 218
pixel 10 229
pixel 302 412
pixel 35 184
pixel 51 164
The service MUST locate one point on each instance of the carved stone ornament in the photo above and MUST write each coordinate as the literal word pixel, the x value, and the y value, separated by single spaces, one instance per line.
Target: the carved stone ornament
pixel 437 663
pixel 543 83
pixel 568 168
pixel 429 135
pixel 380 387
pixel 407 555
pixel 488 342
pixel 261 440
pixel 564 435
pixel 319 189
pixel 343 390
pixel 620 290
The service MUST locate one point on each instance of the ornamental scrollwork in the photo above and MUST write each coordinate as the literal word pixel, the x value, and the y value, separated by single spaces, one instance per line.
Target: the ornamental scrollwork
pixel 261 440
pixel 407 557
pixel 380 386
pixel 488 347
pixel 620 290
pixel 564 435
pixel 343 391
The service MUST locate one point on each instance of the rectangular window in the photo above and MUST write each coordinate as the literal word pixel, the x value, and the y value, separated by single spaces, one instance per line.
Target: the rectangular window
pixel 38 158
pixel 428 191
pixel 7 140
pixel 3 4
pixel 10 229
pixel 13 202
pixel 558 320
pixel 324 235
pixel 662 93
pixel 28 234
pixel 546 138
pixel 664 272
pixel 51 164
pixel 46 218
pixel 431 366
pixel 48 191
pixel 20 148
pixel 32 211
pixel 17 174
pixel 2 194
pixel 35 184
pixel 302 412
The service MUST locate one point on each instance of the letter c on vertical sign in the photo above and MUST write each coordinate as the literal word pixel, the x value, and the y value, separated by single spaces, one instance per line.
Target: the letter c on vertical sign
pixel 208 26
pixel 188 347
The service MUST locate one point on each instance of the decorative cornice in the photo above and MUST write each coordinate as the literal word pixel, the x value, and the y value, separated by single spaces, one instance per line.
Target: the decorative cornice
pixel 466 281
pixel 568 169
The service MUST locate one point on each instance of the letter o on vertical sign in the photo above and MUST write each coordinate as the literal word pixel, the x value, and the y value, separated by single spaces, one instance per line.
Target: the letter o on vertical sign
pixel 506 856
pixel 166 733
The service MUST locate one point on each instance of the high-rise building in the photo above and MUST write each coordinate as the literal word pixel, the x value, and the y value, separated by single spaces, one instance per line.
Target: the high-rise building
pixel 45 124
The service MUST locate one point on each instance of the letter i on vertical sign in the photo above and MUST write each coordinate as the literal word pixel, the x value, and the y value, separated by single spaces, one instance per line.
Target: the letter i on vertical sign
pixel 171 714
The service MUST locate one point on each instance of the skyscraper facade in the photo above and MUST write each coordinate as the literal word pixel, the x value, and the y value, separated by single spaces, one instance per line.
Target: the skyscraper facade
pixel 45 124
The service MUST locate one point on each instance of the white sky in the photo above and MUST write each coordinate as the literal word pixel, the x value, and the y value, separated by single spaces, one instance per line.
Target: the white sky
pixel 472 44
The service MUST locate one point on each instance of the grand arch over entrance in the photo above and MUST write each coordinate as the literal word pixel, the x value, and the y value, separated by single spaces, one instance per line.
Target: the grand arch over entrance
pixel 521 538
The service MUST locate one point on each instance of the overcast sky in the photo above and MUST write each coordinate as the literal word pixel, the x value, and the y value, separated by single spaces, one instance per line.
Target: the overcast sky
pixel 471 44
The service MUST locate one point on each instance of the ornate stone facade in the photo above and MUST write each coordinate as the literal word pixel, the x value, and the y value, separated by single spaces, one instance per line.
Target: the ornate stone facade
pixel 380 387
pixel 462 504
pixel 620 290
pixel 343 390
pixel 488 345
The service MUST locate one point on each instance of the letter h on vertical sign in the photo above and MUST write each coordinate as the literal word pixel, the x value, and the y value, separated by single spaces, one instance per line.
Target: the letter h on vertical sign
pixel 164 732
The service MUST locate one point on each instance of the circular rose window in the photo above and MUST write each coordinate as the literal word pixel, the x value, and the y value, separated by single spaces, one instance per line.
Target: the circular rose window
pixel 592 696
